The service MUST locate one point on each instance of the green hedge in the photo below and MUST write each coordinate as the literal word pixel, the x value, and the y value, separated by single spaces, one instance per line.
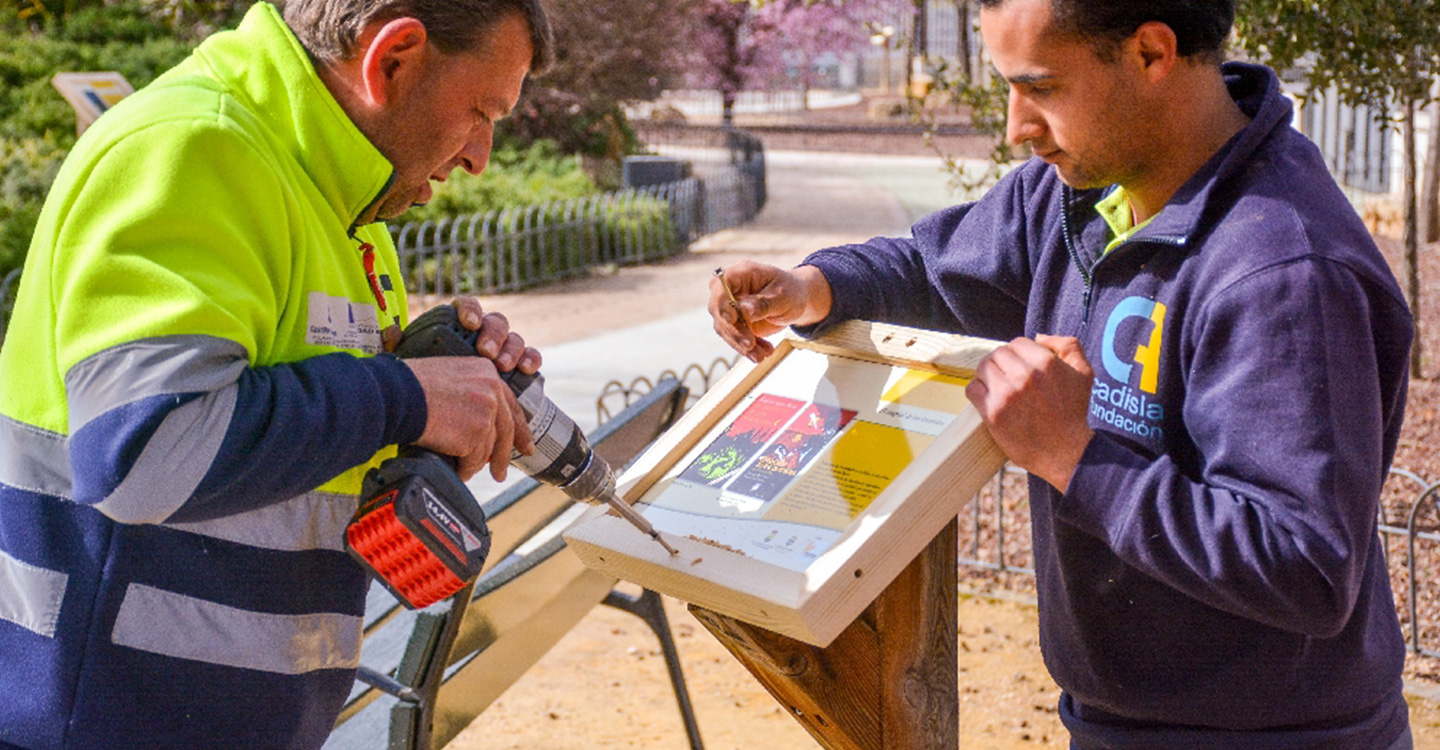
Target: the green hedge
pixel 515 177
pixel 536 244
pixel 37 126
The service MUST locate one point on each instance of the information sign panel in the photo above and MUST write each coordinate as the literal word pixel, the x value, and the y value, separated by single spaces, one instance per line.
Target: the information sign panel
pixel 797 489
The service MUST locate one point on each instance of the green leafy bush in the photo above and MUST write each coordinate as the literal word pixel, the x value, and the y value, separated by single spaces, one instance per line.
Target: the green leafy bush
pixel 37 126
pixel 27 167
pixel 515 177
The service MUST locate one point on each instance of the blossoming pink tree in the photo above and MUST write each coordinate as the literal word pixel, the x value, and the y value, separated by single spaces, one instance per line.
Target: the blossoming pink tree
pixel 739 45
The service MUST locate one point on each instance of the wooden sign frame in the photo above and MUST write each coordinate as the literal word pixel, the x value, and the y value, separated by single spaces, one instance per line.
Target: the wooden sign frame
pixel 814 604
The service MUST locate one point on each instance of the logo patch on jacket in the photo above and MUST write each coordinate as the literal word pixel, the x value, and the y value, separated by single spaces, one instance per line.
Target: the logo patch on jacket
pixel 338 322
pixel 1124 392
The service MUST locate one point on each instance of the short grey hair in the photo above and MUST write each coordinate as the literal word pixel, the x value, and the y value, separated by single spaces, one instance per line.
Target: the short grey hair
pixel 330 29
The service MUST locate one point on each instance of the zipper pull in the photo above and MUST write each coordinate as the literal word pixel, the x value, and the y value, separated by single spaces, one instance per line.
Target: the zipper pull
pixel 367 256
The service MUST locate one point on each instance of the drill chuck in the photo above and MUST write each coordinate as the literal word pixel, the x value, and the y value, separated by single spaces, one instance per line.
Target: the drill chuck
pixel 562 456
pixel 418 527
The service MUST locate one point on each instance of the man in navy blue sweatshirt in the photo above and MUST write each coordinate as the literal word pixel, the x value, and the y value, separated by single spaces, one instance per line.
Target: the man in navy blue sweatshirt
pixel 1205 378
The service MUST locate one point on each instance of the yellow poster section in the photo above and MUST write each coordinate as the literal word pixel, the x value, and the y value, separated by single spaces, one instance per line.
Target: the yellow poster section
pixel 846 478
pixel 909 390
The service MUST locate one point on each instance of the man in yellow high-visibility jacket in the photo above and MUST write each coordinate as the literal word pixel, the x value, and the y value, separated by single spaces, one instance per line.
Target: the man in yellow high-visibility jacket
pixel 194 381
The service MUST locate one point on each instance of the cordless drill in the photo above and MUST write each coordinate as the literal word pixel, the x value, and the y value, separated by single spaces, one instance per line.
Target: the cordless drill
pixel 419 529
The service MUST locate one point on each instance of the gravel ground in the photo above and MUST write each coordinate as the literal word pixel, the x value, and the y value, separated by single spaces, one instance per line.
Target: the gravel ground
pixel 1419 452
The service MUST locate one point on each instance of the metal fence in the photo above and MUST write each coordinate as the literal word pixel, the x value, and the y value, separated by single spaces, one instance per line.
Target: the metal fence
pixel 511 249
pixel 1410 530
pixel 996 549
pixel 616 396
pixel 1355 141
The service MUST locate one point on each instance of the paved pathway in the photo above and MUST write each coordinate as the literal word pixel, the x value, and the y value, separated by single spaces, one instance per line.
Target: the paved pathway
pixel 643 320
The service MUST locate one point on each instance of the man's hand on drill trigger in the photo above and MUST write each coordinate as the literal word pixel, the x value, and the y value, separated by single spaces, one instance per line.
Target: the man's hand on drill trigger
pixel 471 414
pixel 1035 395
pixel 496 341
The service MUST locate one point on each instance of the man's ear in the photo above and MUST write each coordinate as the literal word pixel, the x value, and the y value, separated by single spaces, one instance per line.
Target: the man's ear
pixel 1156 47
pixel 391 57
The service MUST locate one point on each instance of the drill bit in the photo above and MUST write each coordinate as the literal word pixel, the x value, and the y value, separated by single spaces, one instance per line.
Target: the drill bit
pixel 630 514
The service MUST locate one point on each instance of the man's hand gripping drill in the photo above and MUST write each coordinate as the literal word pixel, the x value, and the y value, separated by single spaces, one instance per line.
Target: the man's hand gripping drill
pixel 412 503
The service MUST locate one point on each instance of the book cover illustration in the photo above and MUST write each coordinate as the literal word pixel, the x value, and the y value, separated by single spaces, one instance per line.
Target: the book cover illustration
pixel 792 451
pixel 729 452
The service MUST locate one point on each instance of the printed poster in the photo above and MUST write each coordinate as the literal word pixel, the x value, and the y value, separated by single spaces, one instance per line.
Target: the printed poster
pixel 783 475
pixel 791 451
pixel 750 432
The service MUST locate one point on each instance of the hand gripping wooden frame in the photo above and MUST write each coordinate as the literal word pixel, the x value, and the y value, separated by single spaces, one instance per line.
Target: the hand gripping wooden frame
pixel 814 604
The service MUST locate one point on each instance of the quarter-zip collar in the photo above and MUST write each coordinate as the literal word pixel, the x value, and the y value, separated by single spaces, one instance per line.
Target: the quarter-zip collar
pixel 263 62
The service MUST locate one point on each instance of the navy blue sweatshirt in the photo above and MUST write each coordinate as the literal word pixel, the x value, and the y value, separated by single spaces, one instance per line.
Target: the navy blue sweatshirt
pixel 1214 565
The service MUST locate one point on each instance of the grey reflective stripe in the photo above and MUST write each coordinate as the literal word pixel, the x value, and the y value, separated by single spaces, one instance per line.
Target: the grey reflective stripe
pixel 315 520
pixel 30 596
pixel 150 367
pixel 174 460
pixel 179 453
pixel 33 459
pixel 183 627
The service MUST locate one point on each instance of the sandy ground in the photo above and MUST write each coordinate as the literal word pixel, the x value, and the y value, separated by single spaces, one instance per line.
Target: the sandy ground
pixel 604 685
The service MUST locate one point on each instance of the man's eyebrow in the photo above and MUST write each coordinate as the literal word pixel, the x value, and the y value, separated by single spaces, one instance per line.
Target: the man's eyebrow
pixel 1025 78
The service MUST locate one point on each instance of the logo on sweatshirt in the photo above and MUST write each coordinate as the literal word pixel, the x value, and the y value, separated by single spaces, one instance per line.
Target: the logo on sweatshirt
pixel 1147 355
pixel 1127 403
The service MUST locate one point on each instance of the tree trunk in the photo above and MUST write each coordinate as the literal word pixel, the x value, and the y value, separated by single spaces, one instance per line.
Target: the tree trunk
pixel 919 44
pixel 885 67
pixel 1430 196
pixel 805 83
pixel 962 27
pixel 1411 240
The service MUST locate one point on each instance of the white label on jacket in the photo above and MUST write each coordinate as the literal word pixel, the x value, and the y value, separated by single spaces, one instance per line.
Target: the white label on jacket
pixel 338 322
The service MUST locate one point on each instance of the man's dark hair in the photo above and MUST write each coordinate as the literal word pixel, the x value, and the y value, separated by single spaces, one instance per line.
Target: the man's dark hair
pixel 1201 26
pixel 330 29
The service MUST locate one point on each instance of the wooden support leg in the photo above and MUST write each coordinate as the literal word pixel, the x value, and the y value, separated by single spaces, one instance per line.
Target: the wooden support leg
pixel 887 682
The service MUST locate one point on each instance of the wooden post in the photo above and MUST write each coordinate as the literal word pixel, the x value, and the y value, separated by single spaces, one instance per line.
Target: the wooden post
pixel 888 681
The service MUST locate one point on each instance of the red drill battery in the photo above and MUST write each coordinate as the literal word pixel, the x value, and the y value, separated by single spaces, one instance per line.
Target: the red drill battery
pixel 418 529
